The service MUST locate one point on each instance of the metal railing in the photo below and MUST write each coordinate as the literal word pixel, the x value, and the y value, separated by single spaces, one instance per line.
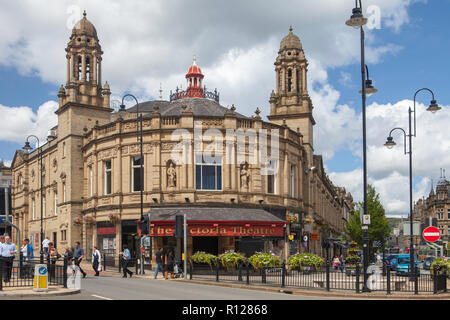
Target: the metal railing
pixel 19 273
pixel 325 278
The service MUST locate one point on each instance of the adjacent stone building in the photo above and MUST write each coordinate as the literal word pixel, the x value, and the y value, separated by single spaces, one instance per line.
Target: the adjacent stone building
pixel 437 207
pixel 234 199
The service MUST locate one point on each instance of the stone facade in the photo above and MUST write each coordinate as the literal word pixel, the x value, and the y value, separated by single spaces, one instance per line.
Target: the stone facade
pixel 89 167
pixel 437 206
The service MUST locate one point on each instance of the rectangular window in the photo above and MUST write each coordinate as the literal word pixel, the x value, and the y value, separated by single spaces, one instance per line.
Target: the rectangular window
pixel 33 209
pixel 64 149
pixel 448 214
pixel 64 192
pixel 91 181
pixel 108 170
pixel 272 176
pixel 43 207
pixel 208 173
pixel 56 203
pixel 63 235
pixel 136 173
pixel 292 177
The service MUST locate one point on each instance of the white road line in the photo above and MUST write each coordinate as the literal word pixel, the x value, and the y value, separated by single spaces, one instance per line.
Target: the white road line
pixel 101 297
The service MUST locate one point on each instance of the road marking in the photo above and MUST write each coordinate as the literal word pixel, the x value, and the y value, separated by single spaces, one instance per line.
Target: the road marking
pixel 101 297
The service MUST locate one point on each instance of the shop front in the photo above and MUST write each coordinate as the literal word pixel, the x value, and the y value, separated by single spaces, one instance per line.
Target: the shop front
pixel 216 230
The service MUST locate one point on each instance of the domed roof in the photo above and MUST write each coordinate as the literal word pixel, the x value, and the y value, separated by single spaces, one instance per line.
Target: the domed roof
pixel 84 27
pixel 201 107
pixel 291 41
pixel 194 70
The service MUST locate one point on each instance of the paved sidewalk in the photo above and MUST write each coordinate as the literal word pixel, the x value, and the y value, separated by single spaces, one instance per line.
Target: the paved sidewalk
pixel 28 292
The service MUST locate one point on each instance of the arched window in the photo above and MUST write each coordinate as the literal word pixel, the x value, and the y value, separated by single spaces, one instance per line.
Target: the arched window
pixel 88 69
pixel 78 75
pixel 289 80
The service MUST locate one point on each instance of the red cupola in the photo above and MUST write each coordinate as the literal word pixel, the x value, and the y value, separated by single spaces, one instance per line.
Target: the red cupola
pixel 194 79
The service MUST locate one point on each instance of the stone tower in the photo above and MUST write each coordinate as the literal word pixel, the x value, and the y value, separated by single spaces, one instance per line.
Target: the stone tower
pixel 291 103
pixel 83 93
pixel 83 104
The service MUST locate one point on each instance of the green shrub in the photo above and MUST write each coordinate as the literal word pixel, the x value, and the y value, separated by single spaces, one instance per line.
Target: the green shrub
pixel 441 264
pixel 231 259
pixel 300 260
pixel 264 259
pixel 204 258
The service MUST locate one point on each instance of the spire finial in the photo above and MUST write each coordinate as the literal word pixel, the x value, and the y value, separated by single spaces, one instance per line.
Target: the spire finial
pixel 290 29
pixel 195 60
pixel 84 13
pixel 160 91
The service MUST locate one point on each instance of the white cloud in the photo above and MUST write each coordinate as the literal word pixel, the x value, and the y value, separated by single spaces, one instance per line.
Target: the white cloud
pixel 16 123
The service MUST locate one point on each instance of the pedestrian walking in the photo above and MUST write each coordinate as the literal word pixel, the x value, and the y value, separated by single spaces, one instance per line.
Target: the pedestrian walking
pixel 169 264
pixel 159 262
pixel 8 251
pixel 96 261
pixel 126 257
pixel 78 255
pixel 341 262
pixel 45 243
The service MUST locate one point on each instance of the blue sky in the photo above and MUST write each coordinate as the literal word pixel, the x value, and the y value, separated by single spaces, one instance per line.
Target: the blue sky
pixel 416 57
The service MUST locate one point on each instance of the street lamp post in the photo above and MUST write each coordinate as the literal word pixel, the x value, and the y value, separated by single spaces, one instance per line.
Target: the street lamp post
pixel 390 144
pixel 27 148
pixel 356 21
pixel 141 168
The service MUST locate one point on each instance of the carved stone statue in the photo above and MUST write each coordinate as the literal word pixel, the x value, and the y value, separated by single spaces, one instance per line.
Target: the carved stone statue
pixel 171 176
pixel 245 174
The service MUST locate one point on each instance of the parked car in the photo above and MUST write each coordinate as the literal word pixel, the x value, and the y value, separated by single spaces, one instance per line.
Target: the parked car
pixel 427 262
pixel 391 261
pixel 403 264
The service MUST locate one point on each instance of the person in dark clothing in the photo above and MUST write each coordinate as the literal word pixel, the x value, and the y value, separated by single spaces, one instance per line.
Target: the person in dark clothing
pixel 169 264
pixel 159 262
pixel 78 255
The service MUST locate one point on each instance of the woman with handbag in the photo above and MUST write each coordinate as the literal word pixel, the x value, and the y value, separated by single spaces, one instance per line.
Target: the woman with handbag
pixel 96 261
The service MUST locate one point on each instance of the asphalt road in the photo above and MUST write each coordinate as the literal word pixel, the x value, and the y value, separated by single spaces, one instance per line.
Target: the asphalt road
pixel 117 288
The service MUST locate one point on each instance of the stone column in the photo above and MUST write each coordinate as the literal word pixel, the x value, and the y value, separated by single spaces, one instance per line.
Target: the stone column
pixel 69 63
pixel 94 68
pixel 118 241
pixel 191 167
pixel 99 71
pixel 294 79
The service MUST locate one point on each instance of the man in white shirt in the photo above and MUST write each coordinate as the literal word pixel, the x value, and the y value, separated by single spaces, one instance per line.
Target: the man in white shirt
pixel 45 245
pixel 7 253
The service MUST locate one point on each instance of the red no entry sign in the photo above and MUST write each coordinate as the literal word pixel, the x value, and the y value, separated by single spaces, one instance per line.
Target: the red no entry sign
pixel 431 234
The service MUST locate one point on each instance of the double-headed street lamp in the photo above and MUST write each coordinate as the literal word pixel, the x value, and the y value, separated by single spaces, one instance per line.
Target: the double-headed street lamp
pixel 141 168
pixel 139 137
pixel 356 21
pixel 390 144
pixel 27 148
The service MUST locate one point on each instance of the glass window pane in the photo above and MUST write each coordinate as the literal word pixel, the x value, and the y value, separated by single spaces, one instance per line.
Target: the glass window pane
pixel 209 177
pixel 219 178
pixel 198 177
pixel 137 179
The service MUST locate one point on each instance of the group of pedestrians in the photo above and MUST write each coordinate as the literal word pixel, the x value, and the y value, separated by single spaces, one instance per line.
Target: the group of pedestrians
pixel 166 263
pixel 338 263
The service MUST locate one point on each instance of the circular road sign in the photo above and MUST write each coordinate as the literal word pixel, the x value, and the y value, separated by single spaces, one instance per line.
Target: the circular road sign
pixel 431 234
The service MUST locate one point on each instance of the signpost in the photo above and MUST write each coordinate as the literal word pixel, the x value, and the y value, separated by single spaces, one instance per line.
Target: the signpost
pixel 40 278
pixel 431 234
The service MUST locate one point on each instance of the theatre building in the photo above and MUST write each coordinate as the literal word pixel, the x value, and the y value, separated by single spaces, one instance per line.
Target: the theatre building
pixel 243 183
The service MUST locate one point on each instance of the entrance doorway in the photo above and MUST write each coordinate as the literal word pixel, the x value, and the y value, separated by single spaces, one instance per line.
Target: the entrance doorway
pixel 206 244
